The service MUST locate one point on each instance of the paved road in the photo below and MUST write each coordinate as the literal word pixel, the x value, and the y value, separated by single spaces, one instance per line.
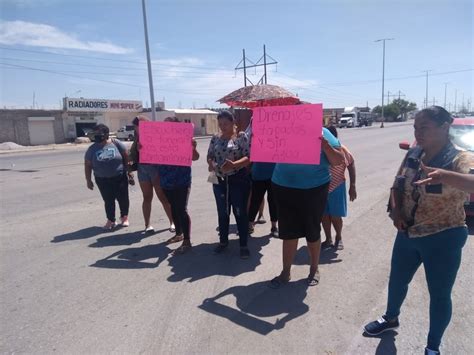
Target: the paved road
pixel 68 288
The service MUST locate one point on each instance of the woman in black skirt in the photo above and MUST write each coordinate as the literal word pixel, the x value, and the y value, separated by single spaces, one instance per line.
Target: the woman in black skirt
pixel 301 193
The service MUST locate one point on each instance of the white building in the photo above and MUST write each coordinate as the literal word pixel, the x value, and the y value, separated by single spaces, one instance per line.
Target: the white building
pixel 205 121
pixel 81 114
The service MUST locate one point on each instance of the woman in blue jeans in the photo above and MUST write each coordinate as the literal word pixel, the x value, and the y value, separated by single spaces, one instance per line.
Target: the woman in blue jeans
pixel 430 219
pixel 228 158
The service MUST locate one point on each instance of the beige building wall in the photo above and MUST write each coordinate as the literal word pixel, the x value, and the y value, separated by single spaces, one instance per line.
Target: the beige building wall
pixel 205 121
pixel 116 120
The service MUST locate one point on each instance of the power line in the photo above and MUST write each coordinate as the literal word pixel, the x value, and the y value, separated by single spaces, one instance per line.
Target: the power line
pixel 243 61
pixel 204 75
pixel 108 59
pixel 201 93
pixel 348 83
pixel 104 66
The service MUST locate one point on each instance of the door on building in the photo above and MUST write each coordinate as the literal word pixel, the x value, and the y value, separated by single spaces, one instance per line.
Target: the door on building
pixel 41 130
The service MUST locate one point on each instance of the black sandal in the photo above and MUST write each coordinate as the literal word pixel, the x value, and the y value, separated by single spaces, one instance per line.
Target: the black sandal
pixel 277 282
pixel 314 279
pixel 175 239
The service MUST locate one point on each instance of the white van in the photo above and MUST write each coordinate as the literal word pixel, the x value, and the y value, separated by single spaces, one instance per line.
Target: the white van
pixel 126 133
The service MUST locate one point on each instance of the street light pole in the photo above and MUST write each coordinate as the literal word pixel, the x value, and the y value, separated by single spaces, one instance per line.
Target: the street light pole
pixel 445 89
pixel 455 100
pixel 426 97
pixel 383 74
pixel 150 77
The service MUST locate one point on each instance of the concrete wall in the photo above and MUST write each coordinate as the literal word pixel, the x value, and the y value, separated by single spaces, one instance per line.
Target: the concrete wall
pixel 210 122
pixel 14 125
pixel 160 115
pixel 116 120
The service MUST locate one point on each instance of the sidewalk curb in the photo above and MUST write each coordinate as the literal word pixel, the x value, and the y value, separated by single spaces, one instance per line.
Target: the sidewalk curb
pixel 32 149
pixel 42 149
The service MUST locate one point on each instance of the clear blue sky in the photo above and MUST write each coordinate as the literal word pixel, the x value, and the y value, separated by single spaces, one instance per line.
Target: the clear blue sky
pixel 325 49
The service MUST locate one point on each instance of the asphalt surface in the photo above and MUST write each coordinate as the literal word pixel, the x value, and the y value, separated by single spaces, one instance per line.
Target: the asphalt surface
pixel 66 287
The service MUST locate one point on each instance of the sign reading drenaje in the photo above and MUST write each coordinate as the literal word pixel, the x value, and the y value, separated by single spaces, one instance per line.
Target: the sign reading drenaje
pixel 99 105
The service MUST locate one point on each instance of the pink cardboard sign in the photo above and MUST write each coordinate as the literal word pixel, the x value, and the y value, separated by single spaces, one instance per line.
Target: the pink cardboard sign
pixel 167 143
pixel 287 134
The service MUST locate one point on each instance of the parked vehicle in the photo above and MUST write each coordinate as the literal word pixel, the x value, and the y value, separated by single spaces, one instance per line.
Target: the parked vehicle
pixel 126 132
pixel 366 119
pixel 462 135
pixel 356 117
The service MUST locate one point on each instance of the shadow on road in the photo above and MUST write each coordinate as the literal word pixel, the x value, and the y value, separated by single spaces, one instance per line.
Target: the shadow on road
pixel 85 233
pixel 200 262
pixel 328 256
pixel 123 239
pixel 387 343
pixel 149 256
pixel 257 301
pixel 232 229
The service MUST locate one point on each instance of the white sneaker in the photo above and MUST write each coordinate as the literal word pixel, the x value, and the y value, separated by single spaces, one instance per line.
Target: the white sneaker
pixel 125 222
pixel 149 229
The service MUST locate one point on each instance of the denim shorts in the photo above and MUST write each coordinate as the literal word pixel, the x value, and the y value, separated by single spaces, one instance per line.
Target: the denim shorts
pixel 147 172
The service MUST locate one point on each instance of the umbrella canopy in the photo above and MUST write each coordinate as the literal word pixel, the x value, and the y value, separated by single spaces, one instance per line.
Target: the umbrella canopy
pixel 260 95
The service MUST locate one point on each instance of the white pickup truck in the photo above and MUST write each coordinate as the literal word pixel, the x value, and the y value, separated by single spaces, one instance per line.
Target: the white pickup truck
pixel 126 133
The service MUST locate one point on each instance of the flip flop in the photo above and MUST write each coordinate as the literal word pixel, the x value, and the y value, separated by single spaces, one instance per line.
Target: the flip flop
pixel 277 282
pixel 339 245
pixel 175 239
pixel 182 249
pixel 313 280
pixel 326 244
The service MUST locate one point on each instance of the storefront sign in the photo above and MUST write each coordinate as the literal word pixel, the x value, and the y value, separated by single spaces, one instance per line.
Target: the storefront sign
pixel 99 105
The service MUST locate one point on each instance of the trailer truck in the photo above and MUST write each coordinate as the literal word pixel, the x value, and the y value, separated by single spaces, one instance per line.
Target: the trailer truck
pixel 356 117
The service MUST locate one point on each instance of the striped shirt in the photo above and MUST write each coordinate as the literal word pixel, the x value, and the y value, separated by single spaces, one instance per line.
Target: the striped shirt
pixel 338 171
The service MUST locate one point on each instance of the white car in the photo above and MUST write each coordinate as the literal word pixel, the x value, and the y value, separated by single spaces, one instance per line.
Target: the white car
pixel 126 133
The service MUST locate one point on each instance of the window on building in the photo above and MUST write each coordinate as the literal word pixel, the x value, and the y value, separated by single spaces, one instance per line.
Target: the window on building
pixel 203 122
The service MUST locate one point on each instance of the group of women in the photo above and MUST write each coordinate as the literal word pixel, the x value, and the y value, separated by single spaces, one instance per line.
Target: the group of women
pixel 426 204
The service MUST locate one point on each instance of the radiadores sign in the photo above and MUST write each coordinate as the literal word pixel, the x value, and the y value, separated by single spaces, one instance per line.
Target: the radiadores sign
pixel 99 105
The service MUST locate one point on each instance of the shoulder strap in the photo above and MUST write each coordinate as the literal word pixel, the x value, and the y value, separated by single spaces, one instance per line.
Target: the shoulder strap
pixel 114 141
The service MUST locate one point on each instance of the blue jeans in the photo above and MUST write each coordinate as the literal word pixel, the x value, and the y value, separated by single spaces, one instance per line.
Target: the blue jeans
pixel 233 191
pixel 440 254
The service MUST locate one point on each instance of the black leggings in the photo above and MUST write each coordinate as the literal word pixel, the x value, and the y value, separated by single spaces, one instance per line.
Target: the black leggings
pixel 111 189
pixel 178 199
pixel 258 193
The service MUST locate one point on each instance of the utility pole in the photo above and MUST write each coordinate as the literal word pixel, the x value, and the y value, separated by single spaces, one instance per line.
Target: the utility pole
pixel 150 76
pixel 445 89
pixel 383 73
pixel 455 100
pixel 434 101
pixel 388 97
pixel 262 62
pixel 400 94
pixel 426 97
pixel 463 107
pixel 449 107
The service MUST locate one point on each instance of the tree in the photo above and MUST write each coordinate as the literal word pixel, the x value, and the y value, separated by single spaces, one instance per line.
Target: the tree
pixel 391 111
pixel 404 107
